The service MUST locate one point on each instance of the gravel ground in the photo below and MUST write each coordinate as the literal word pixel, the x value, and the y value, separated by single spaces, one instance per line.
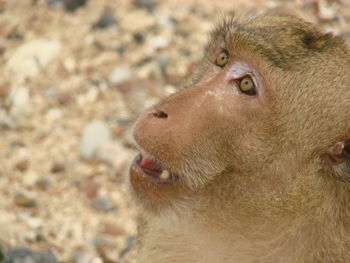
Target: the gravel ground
pixel 74 76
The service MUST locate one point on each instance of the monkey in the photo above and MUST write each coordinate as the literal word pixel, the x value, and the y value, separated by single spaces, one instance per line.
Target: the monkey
pixel 249 161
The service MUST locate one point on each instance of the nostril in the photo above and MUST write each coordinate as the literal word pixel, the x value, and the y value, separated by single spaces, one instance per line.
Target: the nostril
pixel 159 114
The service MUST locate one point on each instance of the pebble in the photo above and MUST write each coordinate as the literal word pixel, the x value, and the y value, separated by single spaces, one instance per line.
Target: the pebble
pixel 120 75
pixel 121 49
pixel 57 168
pixel 42 184
pixel 102 205
pixel 64 99
pixel 159 42
pixel 34 222
pixel 24 201
pixel 106 20
pixel 327 11
pixel 139 37
pixel 112 229
pixel 19 101
pixel 72 5
pixel 54 114
pixel 25 255
pixel 147 4
pixel 31 58
pixel 69 5
pixel 94 135
pixel 89 188
pixel 22 165
pixel 85 257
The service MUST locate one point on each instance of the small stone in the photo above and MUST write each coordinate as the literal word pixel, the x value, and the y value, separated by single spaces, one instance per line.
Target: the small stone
pixel 19 101
pixel 139 37
pixel 25 255
pixel 42 184
pixel 64 99
pixel 327 11
pixel 94 134
pixel 85 257
pixel 121 49
pixel 147 4
pixel 102 205
pixel 34 222
pixel 159 42
pixel 89 188
pixel 120 75
pixel 106 20
pixel 69 5
pixel 58 168
pixel 54 114
pixel 112 229
pixel 22 165
pixel 32 57
pixel 72 5
pixel 24 201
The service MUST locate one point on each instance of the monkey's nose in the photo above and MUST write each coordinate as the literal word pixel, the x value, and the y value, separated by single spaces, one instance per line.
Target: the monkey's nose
pixel 159 114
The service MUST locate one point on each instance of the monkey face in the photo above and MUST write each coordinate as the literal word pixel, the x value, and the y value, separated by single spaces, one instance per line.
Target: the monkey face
pixel 201 132
pixel 256 104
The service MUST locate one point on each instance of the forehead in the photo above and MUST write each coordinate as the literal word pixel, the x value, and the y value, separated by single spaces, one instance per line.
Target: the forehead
pixel 283 41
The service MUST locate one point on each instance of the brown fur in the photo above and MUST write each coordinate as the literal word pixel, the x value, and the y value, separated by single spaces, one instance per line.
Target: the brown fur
pixel 258 177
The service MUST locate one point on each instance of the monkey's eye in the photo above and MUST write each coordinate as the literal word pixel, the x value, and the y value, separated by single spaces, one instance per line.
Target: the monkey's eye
pixel 221 59
pixel 247 86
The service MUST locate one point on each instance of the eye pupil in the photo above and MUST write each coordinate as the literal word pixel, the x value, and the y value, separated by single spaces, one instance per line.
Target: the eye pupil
pixel 247 86
pixel 221 59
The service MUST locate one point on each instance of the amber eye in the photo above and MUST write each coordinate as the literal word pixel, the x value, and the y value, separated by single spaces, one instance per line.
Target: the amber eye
pixel 247 86
pixel 221 59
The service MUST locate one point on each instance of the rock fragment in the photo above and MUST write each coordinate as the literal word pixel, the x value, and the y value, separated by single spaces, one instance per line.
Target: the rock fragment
pixel 120 75
pixel 85 257
pixel 106 20
pixel 68 5
pixel 102 205
pixel 147 4
pixel 25 255
pixel 31 58
pixel 22 165
pixel 19 101
pixel 94 134
pixel 22 200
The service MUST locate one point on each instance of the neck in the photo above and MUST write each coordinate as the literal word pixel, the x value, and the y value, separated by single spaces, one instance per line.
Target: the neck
pixel 308 227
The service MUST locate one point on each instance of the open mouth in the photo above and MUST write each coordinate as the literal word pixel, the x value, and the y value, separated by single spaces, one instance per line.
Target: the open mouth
pixel 148 166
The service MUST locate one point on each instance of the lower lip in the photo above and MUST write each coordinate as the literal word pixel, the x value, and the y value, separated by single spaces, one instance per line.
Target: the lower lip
pixel 137 171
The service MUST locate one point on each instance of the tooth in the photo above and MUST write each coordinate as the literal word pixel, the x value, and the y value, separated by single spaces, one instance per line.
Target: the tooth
pixel 165 174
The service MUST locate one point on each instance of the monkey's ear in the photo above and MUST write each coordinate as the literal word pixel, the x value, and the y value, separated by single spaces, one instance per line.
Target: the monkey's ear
pixel 339 156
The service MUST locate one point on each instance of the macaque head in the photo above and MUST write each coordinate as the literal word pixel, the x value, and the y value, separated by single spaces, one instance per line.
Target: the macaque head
pixel 263 120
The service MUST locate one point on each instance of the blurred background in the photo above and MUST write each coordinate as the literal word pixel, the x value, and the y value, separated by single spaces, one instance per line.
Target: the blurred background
pixel 74 75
